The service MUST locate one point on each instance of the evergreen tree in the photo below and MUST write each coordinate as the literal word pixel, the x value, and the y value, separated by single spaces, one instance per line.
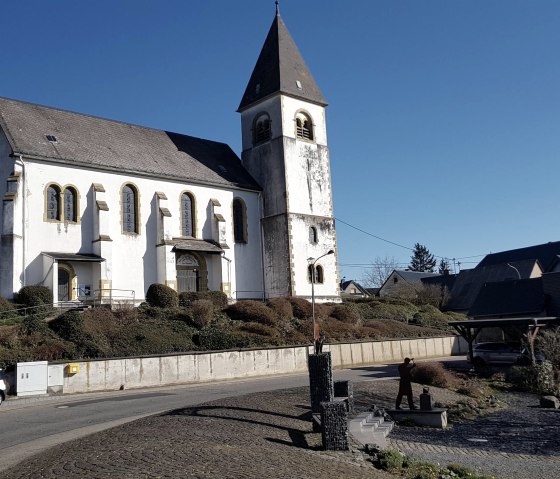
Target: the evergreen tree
pixel 422 259
pixel 444 267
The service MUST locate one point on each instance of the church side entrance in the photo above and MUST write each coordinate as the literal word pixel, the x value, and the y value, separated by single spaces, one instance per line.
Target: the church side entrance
pixel 191 273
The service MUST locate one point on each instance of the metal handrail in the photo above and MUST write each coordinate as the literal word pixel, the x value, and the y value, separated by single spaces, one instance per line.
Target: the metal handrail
pixel 29 310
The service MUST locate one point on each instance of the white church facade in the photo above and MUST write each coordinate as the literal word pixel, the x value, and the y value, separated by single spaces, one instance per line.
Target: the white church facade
pixel 99 208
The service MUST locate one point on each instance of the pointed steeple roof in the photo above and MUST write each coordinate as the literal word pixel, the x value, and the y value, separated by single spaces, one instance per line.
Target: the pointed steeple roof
pixel 281 68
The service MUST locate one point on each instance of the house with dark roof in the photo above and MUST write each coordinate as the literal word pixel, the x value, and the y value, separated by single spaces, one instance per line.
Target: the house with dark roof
pixel 351 288
pixel 96 207
pixel 404 282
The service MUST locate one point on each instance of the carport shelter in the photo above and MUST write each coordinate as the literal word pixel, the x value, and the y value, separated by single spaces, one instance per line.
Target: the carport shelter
pixel 469 329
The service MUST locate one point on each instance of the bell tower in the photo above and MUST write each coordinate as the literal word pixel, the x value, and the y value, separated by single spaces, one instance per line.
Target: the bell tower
pixel 285 149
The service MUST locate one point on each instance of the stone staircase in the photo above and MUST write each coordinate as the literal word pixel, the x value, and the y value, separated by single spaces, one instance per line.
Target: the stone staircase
pixel 369 428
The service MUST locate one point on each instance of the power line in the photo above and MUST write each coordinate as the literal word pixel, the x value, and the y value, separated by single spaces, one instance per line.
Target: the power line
pixel 403 246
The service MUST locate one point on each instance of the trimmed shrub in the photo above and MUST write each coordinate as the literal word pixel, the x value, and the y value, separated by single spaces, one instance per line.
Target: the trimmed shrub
pixel 251 311
pixel 215 339
pixel 282 307
pixel 301 307
pixel 218 299
pixel 34 324
pixel 7 311
pixel 431 317
pixel 34 296
pixel 162 296
pixel 333 329
pixel 398 312
pixel 434 374
pixel 69 326
pixel 346 313
pixel 260 329
pixel 202 312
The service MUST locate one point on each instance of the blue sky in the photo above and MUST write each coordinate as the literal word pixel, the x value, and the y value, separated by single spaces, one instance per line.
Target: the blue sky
pixel 443 117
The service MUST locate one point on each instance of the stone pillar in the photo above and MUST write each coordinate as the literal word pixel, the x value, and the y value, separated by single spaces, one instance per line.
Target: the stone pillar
pixel 426 400
pixel 334 420
pixel 321 387
pixel 345 389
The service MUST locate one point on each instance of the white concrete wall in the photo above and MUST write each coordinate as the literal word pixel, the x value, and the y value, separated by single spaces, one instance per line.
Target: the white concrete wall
pixel 134 259
pixel 112 374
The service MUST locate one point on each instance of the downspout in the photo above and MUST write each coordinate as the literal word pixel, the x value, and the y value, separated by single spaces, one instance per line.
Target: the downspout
pixel 261 207
pixel 23 218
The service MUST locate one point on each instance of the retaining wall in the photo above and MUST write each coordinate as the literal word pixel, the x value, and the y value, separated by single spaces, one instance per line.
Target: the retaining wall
pixel 113 374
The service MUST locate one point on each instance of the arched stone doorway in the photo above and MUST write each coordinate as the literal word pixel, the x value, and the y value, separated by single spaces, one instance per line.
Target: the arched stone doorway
pixel 191 273
pixel 66 283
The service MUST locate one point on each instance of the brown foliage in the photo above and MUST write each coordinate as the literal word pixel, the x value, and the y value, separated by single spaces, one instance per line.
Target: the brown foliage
pixel 434 374
pixel 202 312
pixel 282 307
pixel 260 329
pixel 346 313
pixel 251 311
pixel 333 329
pixel 301 307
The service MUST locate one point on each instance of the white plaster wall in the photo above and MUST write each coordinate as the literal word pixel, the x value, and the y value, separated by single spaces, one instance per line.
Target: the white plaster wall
pixel 134 262
pixel 113 374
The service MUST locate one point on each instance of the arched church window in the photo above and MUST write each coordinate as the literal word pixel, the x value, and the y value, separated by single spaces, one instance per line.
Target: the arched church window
pixel 130 209
pixel 53 203
pixel 70 204
pixel 261 128
pixel 239 221
pixel 313 235
pixel 304 126
pixel 187 214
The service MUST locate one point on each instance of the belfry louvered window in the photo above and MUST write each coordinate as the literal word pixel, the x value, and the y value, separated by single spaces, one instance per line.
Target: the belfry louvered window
pixel 129 209
pixel 261 129
pixel 304 126
pixel 187 214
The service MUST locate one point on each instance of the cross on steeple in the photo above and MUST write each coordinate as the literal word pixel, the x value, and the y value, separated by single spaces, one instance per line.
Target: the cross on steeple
pixel 277 7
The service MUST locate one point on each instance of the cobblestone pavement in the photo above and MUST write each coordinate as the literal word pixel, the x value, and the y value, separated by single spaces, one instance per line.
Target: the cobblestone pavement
pixel 261 435
pixel 269 435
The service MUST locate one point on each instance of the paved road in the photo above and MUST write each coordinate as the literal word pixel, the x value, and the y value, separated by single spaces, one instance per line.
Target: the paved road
pixel 32 425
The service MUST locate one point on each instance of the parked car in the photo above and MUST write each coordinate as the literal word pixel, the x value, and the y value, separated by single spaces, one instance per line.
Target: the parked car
pixel 502 353
pixel 3 387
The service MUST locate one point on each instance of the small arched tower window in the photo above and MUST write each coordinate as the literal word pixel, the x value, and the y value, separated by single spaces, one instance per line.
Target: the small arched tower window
pixel 70 205
pixel 319 274
pixel 53 203
pixel 304 126
pixel 313 235
pixel 129 209
pixel 239 221
pixel 187 214
pixel 261 128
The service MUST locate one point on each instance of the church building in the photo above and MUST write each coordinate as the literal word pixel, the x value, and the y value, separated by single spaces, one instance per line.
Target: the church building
pixel 100 209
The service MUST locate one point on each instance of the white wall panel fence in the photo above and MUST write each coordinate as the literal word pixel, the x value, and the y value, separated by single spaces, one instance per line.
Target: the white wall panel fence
pixel 127 373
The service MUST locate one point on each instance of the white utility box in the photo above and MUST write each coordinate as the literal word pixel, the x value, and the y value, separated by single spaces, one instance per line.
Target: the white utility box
pixel 32 378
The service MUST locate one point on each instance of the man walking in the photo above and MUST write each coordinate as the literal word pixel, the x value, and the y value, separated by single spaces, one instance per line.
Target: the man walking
pixel 405 384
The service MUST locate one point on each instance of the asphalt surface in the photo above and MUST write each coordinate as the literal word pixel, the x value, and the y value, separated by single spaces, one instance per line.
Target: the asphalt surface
pixel 257 428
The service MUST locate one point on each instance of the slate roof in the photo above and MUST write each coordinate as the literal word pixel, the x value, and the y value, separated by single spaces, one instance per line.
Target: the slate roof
pixel 415 276
pixel 444 280
pixel 546 253
pixel 199 245
pixel 346 284
pixel 91 142
pixel 469 281
pixel 278 67
pixel 507 298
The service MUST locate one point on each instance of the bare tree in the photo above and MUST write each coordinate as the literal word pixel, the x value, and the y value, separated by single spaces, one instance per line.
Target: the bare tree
pixel 380 270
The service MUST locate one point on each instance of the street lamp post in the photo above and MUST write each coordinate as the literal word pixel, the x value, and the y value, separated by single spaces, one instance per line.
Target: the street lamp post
pixel 312 262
